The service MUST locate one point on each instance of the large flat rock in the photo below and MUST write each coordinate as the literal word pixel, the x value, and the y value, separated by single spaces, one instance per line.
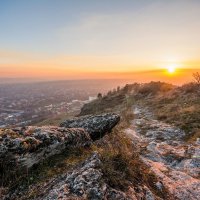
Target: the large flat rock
pixel 96 125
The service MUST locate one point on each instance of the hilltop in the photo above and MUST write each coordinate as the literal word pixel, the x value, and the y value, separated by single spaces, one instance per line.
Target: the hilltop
pixel 177 105
pixel 140 141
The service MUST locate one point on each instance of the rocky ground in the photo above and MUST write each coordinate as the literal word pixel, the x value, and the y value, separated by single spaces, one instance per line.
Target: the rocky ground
pixel 85 182
pixel 162 149
pixel 23 148
pixel 175 162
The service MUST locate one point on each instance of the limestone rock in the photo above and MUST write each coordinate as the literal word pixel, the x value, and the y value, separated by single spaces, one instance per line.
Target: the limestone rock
pixel 174 162
pixel 85 182
pixel 21 148
pixel 96 125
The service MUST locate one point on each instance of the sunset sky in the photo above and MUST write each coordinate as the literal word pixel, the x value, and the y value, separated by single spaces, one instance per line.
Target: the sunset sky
pixel 95 39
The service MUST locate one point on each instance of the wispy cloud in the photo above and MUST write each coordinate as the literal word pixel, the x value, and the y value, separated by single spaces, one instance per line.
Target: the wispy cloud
pixel 160 30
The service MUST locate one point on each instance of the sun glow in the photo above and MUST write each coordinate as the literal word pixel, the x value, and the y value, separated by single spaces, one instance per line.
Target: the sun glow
pixel 171 69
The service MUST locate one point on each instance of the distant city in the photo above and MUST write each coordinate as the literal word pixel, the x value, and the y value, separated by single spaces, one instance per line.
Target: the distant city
pixel 24 104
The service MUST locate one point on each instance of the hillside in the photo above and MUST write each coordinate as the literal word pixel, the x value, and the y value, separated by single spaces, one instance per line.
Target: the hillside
pixel 137 142
pixel 179 106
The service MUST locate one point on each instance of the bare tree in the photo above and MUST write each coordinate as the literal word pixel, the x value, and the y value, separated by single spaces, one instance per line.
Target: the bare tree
pixel 196 76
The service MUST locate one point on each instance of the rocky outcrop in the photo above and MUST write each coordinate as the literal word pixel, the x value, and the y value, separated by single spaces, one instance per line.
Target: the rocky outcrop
pixel 182 157
pixel 174 162
pixel 165 143
pixel 85 182
pixel 21 148
pixel 96 125
pixel 178 184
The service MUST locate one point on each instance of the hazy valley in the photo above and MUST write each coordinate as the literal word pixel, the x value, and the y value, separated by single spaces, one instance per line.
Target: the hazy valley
pixel 31 103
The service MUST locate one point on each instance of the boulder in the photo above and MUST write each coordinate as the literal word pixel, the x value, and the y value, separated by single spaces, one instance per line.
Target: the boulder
pixel 96 125
pixel 21 148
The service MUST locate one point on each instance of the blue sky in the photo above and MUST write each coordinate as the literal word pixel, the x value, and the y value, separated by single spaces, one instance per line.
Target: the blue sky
pixel 34 24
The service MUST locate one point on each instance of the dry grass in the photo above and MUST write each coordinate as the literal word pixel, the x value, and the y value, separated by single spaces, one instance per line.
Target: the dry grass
pixel 186 117
pixel 194 137
pixel 122 166
pixel 41 174
pixel 179 106
pixel 119 158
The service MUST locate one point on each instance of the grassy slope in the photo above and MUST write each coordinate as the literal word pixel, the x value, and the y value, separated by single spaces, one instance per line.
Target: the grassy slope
pixel 179 106
pixel 121 163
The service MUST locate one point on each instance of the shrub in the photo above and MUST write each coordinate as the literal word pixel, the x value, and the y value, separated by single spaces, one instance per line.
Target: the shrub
pixel 189 88
pixel 196 76
pixel 154 88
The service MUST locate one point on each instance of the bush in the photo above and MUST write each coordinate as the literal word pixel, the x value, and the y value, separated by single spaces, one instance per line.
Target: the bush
pixel 154 88
pixel 189 88
pixel 197 77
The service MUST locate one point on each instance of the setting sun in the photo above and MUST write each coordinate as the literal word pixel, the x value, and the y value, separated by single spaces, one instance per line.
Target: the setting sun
pixel 171 69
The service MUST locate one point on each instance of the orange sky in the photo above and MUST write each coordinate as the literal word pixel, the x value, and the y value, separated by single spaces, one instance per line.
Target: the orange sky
pixel 127 39
pixel 26 65
pixel 55 72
